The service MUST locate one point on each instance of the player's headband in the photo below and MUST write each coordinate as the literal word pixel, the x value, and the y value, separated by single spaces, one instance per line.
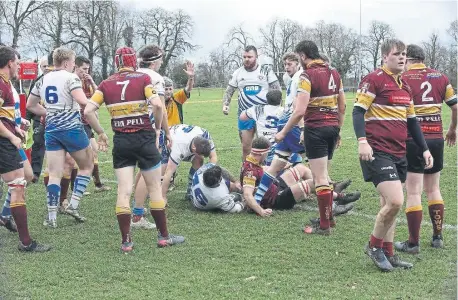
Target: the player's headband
pixel 151 59
pixel 413 58
pixel 259 151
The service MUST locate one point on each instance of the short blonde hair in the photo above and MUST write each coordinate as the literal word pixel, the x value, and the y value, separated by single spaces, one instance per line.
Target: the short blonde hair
pixel 62 54
pixel 291 56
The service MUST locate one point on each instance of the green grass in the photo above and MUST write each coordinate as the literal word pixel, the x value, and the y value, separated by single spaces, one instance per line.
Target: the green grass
pixel 226 256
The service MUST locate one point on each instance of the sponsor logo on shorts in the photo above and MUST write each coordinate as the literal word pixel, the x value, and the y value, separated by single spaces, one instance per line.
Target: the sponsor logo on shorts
pixel 387 168
pixel 393 175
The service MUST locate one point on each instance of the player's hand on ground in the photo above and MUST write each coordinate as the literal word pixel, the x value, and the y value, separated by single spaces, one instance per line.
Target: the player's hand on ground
pixel 450 138
pixel 365 151
pixel 225 109
pixel 102 141
pixel 429 161
pixel 265 212
pixel 189 69
pixel 279 137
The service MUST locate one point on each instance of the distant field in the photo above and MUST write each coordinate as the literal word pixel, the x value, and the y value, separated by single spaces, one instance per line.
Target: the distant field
pixel 227 256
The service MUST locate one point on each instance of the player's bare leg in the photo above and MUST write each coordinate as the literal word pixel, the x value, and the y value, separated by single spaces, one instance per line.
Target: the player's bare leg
pixel 435 207
pixel 125 177
pixel 69 165
pixel 324 194
pixel 152 178
pixel 246 137
pixel 85 161
pixel 99 186
pixel 414 213
pixel 141 193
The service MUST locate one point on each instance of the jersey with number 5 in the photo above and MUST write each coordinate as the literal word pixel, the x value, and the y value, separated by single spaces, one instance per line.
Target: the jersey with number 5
pixel 62 110
pixel 323 83
pixel 429 89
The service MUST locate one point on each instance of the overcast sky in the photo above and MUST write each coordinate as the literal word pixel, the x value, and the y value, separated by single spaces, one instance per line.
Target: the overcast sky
pixel 411 20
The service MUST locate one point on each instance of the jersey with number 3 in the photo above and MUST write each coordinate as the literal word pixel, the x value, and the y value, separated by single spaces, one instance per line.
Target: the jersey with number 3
pixel 266 117
pixel 62 111
pixel 429 89
pixel 323 83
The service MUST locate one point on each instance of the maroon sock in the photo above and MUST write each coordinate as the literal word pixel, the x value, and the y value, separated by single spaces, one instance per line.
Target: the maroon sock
pixel 414 218
pixel 73 177
pixel 19 213
pixel 436 213
pixel 375 242
pixel 388 249
pixel 124 226
pixel 161 221
pixel 323 193
pixel 46 180
pixel 96 176
pixel 64 184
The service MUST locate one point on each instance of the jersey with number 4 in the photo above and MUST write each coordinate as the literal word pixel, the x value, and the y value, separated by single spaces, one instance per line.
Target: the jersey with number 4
pixel 182 136
pixel 215 198
pixel 252 85
pixel 62 111
pixel 429 89
pixel 266 117
pixel 323 83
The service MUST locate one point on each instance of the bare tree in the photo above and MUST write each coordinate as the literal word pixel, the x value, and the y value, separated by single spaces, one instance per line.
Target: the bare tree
pixel 435 53
pixel 378 33
pixel 238 39
pixel 453 31
pixel 172 31
pixel 278 38
pixel 16 13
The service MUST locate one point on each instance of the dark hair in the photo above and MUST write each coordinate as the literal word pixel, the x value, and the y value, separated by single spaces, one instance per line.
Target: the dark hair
pixel 308 48
pixel 7 54
pixel 274 97
pixel 388 45
pixel 147 53
pixel 203 146
pixel 251 48
pixel 212 176
pixel 260 143
pixel 80 60
pixel 415 52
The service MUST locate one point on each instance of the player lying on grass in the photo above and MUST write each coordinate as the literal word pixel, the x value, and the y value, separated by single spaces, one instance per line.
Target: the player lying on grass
pixel 214 188
pixel 293 185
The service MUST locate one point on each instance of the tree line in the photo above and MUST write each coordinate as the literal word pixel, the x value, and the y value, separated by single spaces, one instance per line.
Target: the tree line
pixel 97 28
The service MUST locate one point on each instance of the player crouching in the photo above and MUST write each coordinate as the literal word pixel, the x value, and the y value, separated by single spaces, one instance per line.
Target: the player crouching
pixel 126 95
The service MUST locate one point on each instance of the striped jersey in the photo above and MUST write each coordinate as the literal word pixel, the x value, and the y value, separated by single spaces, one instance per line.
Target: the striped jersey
pixel 266 117
pixel 62 111
pixel 291 93
pixel 252 85
pixel 387 99
pixel 17 106
pixel 126 96
pixel 158 84
pixel 429 89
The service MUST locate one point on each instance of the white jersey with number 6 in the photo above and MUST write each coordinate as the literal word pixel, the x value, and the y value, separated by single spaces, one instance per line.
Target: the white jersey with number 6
pixel 62 110
pixel 182 136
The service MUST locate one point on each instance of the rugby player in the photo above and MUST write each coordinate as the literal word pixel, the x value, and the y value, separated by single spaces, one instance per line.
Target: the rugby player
pixel 382 116
pixel 83 66
pixel 294 185
pixel 62 91
pixel 429 89
pixel 320 102
pixel 11 162
pixel 214 188
pixel 190 143
pixel 127 95
pixel 253 82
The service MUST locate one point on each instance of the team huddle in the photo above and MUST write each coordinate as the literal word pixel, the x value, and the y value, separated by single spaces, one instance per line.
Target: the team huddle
pixel 287 150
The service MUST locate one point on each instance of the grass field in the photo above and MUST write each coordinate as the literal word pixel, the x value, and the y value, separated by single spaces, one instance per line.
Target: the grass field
pixel 227 256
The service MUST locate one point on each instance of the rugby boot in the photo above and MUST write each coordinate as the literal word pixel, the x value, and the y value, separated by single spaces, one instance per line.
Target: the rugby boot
pixel 407 247
pixel 378 257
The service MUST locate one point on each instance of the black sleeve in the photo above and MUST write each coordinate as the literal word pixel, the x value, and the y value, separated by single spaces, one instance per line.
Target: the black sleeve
pixel 359 124
pixel 415 131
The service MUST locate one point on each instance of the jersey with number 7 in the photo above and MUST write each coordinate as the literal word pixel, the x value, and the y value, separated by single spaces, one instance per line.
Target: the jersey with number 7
pixel 429 89
pixel 323 83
